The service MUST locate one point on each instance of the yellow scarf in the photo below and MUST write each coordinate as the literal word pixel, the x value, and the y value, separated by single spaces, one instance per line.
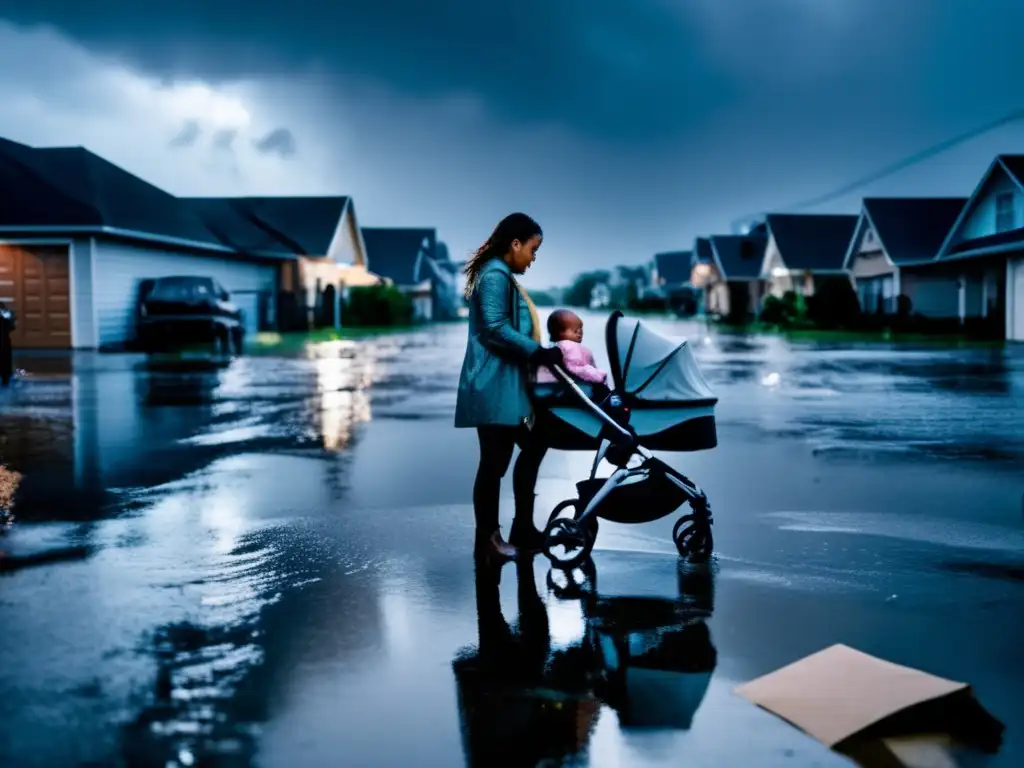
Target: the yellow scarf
pixel 534 320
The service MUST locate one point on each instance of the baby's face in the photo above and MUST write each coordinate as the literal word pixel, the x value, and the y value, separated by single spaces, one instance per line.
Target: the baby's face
pixel 573 330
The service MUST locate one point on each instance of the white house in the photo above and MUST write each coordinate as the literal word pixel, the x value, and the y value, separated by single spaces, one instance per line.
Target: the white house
pixel 985 247
pixel 78 235
pixel 803 249
pixel 419 266
pixel 728 269
pixel 892 254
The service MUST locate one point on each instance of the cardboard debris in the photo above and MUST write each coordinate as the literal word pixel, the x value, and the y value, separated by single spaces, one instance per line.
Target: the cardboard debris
pixel 840 693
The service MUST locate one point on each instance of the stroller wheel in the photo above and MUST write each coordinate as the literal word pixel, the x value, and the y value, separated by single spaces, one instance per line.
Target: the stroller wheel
pixel 693 538
pixel 574 505
pixel 566 543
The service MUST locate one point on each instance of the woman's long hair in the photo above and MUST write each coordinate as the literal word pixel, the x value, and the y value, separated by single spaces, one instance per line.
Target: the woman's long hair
pixel 515 226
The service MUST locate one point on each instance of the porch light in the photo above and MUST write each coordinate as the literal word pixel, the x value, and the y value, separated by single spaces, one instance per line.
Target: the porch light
pixel 780 272
pixel 702 270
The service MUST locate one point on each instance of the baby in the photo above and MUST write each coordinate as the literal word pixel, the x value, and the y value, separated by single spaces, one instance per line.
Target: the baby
pixel 566 331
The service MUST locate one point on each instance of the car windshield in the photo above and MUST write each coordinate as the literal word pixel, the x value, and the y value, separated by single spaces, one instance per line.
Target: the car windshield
pixel 183 289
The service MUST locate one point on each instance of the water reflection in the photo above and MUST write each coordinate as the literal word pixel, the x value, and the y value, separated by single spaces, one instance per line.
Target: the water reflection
pixel 86 433
pixel 522 701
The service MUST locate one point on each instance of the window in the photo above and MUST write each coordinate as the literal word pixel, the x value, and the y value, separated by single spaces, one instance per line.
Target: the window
pixel 1006 218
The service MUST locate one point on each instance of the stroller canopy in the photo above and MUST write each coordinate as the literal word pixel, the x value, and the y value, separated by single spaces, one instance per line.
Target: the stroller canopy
pixel 653 369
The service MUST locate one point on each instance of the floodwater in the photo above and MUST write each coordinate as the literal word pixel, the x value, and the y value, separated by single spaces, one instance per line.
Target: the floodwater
pixel 269 564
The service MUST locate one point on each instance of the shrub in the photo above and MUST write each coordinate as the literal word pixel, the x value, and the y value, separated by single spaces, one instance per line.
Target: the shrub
pixel 790 311
pixel 376 306
pixel 834 304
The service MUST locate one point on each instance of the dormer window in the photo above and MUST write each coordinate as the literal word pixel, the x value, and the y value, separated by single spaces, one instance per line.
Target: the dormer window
pixel 1006 213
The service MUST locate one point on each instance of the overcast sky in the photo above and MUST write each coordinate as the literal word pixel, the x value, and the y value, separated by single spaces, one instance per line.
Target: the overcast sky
pixel 624 127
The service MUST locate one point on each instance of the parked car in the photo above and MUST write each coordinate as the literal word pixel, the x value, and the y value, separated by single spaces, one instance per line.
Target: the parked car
pixel 188 310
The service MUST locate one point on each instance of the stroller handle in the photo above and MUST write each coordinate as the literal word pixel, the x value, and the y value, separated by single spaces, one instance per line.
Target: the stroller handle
pixel 594 408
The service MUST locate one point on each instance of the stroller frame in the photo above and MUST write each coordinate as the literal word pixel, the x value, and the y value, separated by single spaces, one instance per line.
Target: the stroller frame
pixel 691 534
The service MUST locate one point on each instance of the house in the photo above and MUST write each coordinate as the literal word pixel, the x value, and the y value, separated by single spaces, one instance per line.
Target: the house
pixel 728 268
pixel 320 234
pixel 670 271
pixel 985 250
pixel 78 235
pixel 804 249
pixel 411 260
pixel 892 250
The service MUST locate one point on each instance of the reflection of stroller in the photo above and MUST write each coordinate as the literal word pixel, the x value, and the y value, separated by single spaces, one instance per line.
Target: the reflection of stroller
pixel 661 402
pixel 651 659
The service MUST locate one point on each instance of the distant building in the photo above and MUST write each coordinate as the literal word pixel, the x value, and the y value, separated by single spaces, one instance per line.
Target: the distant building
pixel 412 260
pixel 79 235
pixel 892 251
pixel 804 248
pixel 985 249
pixel 728 269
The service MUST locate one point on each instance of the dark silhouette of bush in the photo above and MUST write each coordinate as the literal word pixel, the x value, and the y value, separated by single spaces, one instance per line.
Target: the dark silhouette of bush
pixel 834 304
pixel 376 306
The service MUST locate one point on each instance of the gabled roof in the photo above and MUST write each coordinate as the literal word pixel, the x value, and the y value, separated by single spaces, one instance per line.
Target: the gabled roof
pixel 673 266
pixel 309 222
pixel 812 242
pixel 1013 166
pixel 237 228
pixel 83 189
pixel 739 257
pixel 910 229
pixel 702 253
pixel 395 252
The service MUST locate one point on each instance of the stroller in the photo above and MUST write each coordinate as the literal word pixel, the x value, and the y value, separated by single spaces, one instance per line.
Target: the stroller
pixel 660 402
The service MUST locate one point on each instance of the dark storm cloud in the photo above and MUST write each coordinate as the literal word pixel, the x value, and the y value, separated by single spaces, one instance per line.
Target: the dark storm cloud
pixel 279 141
pixel 187 136
pixel 224 139
pixel 605 67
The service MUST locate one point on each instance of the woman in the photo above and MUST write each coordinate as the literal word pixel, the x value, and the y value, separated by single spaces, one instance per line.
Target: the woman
pixel 504 343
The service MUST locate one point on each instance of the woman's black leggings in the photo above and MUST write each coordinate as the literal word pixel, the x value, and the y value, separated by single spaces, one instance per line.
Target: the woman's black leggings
pixel 496 446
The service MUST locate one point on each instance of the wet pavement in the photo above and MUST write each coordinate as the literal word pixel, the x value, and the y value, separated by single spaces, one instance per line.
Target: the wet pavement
pixel 268 564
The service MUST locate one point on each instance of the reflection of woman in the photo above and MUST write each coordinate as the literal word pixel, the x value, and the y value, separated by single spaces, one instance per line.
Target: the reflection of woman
pixel 510 710
pixel 504 341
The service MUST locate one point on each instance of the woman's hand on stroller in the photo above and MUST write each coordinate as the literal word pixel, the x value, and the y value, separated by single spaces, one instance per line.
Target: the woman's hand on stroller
pixel 549 357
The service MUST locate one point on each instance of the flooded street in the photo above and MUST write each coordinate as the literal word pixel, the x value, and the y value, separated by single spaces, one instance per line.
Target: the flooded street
pixel 270 564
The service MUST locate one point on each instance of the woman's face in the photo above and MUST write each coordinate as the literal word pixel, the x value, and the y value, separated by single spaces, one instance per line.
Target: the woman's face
pixel 521 255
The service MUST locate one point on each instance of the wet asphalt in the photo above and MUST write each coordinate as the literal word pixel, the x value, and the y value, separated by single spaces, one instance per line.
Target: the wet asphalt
pixel 269 564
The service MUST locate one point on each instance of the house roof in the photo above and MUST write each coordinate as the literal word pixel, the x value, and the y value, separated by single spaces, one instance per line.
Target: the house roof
pixel 812 242
pixel 739 257
pixel 235 226
pixel 84 189
pixel 702 251
pixel 674 266
pixel 1013 165
pixel 308 222
pixel 912 229
pixel 394 252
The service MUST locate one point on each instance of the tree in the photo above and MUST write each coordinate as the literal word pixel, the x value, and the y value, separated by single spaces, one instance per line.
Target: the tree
pixel 578 294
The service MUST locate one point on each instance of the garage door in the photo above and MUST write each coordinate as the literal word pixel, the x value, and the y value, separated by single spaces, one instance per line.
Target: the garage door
pixel 249 303
pixel 34 282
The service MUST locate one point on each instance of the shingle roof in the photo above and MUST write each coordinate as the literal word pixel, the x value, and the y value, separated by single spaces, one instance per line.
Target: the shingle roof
pixel 1014 164
pixel 740 257
pixel 236 228
pixel 812 242
pixel 86 190
pixel 912 229
pixel 702 251
pixel 392 252
pixel 674 266
pixel 309 222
